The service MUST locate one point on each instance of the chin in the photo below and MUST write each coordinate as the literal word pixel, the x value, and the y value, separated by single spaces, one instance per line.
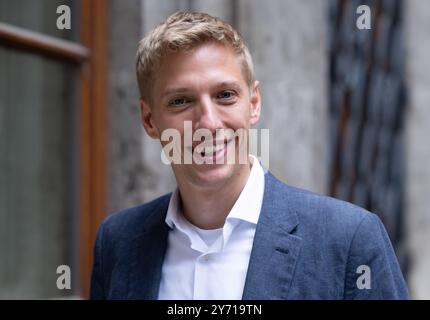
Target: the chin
pixel 212 175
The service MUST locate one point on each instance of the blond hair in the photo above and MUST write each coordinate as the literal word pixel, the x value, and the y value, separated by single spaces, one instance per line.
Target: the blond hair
pixel 184 31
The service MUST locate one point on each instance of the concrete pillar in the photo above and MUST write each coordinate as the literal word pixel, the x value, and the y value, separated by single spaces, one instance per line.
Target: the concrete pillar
pixel 288 41
pixel 224 9
pixel 418 148
pixel 127 173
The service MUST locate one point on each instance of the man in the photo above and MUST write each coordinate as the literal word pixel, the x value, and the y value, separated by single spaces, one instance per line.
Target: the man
pixel 229 230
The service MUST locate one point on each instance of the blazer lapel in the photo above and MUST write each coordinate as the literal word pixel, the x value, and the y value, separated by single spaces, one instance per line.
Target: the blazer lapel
pixel 275 249
pixel 149 249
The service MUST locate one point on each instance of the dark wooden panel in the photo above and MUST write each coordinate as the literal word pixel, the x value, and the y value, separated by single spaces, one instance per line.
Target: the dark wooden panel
pixel 30 41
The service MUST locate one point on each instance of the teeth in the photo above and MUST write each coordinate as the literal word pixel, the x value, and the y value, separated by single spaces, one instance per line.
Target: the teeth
pixel 214 149
pixel 199 149
pixel 219 147
pixel 209 150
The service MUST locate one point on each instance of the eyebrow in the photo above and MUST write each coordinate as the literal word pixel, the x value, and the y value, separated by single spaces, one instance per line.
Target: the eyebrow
pixel 233 84
pixel 224 84
pixel 171 91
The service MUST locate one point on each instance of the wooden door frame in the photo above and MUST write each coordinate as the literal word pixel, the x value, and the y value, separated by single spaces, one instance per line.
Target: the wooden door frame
pixel 93 131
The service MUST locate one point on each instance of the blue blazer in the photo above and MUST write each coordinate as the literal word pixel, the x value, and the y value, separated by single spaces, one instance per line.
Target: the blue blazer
pixel 306 246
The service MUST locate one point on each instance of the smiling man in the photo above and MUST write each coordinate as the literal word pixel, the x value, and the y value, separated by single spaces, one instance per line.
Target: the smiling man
pixel 229 230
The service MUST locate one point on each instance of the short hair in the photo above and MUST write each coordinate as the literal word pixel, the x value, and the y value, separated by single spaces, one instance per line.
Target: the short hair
pixel 184 31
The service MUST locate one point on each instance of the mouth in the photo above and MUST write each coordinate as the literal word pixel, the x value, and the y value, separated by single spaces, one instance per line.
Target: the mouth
pixel 214 150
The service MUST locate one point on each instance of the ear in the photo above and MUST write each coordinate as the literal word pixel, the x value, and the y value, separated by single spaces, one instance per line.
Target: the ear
pixel 255 103
pixel 147 120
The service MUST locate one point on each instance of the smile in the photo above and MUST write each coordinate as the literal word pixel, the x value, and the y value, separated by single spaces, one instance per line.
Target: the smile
pixel 211 149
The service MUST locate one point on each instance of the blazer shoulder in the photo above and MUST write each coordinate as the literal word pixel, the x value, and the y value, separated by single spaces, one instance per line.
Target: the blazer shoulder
pixel 130 221
pixel 339 233
pixel 328 207
pixel 317 212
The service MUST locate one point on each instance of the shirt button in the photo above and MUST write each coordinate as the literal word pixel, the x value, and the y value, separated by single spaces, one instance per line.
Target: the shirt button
pixel 206 258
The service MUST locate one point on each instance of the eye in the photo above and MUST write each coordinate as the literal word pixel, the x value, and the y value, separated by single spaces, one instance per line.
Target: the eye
pixel 227 95
pixel 178 102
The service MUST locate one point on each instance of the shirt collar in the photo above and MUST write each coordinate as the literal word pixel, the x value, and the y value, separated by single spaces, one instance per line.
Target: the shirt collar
pixel 248 206
pixel 172 216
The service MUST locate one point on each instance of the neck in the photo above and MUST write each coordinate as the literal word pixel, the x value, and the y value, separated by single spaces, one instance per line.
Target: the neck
pixel 207 208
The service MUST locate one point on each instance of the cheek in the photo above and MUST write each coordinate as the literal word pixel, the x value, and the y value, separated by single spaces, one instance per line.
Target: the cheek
pixel 238 123
pixel 164 122
pixel 240 117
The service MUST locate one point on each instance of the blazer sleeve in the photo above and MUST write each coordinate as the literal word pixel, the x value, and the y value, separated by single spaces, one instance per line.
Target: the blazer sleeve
pixel 372 270
pixel 96 290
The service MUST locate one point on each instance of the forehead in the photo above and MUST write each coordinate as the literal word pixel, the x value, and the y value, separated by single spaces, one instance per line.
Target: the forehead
pixel 204 65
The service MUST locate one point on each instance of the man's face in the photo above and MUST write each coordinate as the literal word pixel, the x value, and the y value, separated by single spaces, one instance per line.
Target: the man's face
pixel 207 87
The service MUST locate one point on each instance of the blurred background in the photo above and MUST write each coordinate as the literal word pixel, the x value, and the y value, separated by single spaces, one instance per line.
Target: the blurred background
pixel 348 112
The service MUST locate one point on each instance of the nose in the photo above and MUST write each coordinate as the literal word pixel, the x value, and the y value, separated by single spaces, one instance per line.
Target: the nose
pixel 206 115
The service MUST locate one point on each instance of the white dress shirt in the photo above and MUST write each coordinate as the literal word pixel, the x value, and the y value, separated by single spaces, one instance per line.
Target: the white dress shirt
pixel 212 264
